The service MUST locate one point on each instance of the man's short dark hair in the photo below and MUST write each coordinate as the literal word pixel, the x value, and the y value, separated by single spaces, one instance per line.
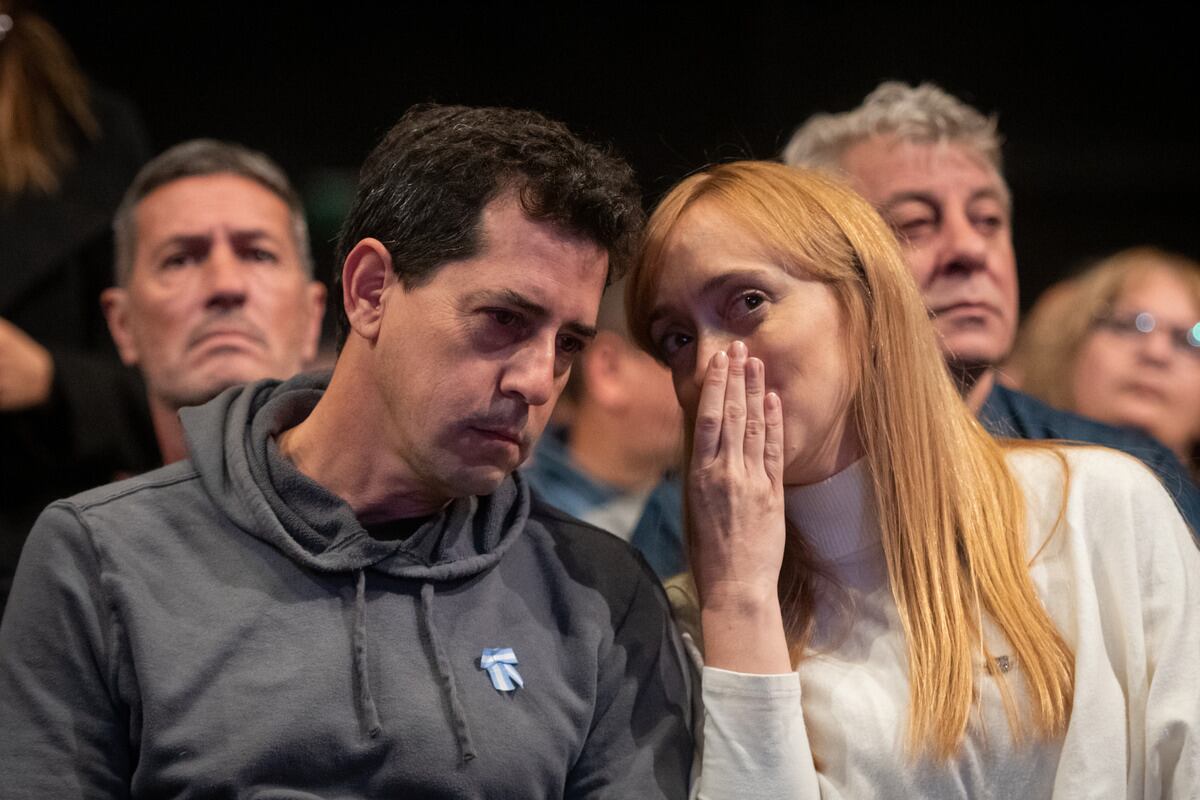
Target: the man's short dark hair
pixel 422 190
pixel 199 158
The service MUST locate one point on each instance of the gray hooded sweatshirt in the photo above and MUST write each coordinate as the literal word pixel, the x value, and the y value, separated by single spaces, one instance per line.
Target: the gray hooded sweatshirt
pixel 224 627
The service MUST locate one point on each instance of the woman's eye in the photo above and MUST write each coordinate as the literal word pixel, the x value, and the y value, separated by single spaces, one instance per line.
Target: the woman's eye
pixel 747 303
pixel 671 343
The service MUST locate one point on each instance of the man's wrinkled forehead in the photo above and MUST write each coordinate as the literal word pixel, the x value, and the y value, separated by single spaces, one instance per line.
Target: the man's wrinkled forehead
pixel 205 204
pixel 888 169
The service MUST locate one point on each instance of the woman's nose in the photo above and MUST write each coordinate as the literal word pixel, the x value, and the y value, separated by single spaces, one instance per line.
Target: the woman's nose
pixel 1156 346
pixel 707 345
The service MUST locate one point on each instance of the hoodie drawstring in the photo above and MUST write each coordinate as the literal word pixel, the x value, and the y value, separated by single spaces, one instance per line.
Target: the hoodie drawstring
pixel 366 703
pixel 462 732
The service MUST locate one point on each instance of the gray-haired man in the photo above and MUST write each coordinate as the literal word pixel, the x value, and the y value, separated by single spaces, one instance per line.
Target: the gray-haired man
pixel 932 166
pixel 214 279
pixel 214 289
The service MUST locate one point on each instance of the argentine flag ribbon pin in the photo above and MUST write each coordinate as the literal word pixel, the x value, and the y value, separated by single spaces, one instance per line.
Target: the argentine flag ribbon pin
pixel 501 666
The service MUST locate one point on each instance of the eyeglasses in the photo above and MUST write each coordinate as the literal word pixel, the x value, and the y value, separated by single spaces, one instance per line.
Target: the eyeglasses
pixel 1135 325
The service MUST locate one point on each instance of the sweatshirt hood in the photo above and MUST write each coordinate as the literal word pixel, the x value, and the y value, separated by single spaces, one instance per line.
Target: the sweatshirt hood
pixel 232 444
pixel 231 440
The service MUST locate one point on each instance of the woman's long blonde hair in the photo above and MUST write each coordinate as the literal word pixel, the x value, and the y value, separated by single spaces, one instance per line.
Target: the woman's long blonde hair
pixel 951 513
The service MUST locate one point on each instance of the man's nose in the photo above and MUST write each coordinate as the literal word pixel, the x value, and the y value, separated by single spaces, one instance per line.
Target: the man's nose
pixel 964 247
pixel 226 278
pixel 532 374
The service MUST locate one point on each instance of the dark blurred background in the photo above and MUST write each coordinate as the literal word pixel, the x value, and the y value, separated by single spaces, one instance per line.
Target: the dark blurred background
pixel 1099 109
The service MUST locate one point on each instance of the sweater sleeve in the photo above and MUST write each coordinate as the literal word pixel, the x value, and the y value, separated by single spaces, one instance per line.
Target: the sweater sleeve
pixel 751 740
pixel 639 743
pixel 65 734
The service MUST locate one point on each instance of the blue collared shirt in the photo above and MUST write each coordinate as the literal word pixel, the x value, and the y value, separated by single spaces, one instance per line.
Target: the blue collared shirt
pixel 658 534
pixel 1014 414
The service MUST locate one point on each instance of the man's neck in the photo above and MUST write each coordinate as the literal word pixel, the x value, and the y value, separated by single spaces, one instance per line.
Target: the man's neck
pixel 600 447
pixel 337 446
pixel 168 430
pixel 976 390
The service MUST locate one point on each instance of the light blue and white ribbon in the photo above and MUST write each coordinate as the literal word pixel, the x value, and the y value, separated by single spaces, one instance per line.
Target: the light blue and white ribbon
pixel 501 666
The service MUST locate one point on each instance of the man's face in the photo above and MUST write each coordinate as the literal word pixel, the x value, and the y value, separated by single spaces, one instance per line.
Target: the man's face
pixel 951 211
pixel 217 294
pixel 470 363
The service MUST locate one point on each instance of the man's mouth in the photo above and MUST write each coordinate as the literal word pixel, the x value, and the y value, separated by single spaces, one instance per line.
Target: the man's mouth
pixel 968 307
pixel 234 335
pixel 507 435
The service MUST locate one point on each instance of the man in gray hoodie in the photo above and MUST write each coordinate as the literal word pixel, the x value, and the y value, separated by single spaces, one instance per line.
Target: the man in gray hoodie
pixel 347 591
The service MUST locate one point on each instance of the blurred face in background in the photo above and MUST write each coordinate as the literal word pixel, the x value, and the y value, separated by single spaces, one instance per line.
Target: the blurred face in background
pixel 635 388
pixel 1140 365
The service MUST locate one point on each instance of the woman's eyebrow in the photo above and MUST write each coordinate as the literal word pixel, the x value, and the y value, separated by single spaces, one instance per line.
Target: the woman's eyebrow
pixel 713 284
pixel 718 282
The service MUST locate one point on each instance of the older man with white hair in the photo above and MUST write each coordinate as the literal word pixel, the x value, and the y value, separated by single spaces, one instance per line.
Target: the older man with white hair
pixel 932 166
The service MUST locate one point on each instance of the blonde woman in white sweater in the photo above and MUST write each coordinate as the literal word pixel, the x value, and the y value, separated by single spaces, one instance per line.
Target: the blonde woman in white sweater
pixel 884 601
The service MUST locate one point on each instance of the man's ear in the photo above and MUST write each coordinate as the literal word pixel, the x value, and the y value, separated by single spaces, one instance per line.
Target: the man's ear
pixel 315 299
pixel 115 303
pixel 366 273
pixel 601 365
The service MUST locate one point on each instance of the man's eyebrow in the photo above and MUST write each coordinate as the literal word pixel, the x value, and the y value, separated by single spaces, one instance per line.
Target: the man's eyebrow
pixel 188 241
pixel 250 234
pixel 535 310
pixel 198 241
pixel 585 332
pixel 990 193
pixel 908 197
pixel 996 193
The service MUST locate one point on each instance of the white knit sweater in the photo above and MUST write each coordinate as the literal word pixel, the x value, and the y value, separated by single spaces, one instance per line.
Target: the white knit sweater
pixel 1121 581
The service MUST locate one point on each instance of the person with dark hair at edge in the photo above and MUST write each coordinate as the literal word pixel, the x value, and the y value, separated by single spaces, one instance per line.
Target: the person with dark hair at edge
pixel 347 590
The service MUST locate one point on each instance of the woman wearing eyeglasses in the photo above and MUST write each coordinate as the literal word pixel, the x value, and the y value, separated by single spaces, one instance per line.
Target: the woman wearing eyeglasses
pixel 1121 343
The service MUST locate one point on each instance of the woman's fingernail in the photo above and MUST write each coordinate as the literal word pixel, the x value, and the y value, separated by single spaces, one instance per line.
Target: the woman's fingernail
pixel 738 349
pixel 719 359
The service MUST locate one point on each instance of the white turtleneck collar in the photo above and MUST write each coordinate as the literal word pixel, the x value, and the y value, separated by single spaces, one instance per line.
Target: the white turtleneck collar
pixel 837 516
